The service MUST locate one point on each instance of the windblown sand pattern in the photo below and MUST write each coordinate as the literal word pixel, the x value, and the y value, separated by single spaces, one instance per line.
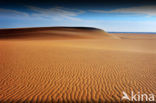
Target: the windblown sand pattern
pixel 75 70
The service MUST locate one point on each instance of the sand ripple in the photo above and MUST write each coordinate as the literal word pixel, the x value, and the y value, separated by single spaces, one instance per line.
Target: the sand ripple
pixel 44 71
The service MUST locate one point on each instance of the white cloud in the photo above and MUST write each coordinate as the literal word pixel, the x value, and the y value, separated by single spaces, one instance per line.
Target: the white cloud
pixel 147 10
pixel 56 13
pixel 10 12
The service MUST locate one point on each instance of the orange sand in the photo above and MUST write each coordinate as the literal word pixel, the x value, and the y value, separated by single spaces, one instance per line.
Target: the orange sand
pixel 70 70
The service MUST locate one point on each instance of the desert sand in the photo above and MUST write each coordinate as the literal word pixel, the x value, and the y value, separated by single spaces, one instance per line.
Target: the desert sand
pixel 74 65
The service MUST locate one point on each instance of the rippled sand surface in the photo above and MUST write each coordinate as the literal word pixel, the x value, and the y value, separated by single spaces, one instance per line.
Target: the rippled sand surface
pixel 76 70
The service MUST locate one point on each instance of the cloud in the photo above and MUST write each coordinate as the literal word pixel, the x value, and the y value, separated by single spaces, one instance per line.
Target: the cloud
pixel 57 13
pixel 146 10
pixel 9 12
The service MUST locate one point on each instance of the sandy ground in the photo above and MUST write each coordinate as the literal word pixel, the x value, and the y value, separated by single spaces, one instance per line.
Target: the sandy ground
pixel 77 70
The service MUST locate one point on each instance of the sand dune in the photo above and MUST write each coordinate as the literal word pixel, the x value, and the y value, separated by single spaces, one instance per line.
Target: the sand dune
pixel 52 33
pixel 75 70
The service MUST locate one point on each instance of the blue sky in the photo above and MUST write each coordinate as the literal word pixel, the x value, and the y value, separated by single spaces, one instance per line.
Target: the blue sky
pixel 141 18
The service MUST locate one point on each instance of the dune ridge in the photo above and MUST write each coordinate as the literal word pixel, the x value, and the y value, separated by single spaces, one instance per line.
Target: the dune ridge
pixel 52 33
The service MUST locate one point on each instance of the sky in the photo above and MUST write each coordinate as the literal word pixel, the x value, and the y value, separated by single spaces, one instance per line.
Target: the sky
pixel 109 15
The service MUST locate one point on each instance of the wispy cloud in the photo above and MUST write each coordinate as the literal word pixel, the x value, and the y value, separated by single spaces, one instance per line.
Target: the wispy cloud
pixel 146 10
pixel 10 12
pixel 57 13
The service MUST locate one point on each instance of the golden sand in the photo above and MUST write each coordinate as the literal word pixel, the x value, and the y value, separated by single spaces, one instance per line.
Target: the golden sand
pixel 76 70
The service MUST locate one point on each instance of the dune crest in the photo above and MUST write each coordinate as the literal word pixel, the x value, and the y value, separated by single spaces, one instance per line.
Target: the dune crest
pixel 52 33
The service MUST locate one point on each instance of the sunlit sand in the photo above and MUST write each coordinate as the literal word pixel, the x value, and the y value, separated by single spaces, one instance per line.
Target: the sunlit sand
pixel 75 65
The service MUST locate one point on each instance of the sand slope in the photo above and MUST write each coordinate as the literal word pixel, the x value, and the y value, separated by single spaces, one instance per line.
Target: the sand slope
pixel 70 70
pixel 52 33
